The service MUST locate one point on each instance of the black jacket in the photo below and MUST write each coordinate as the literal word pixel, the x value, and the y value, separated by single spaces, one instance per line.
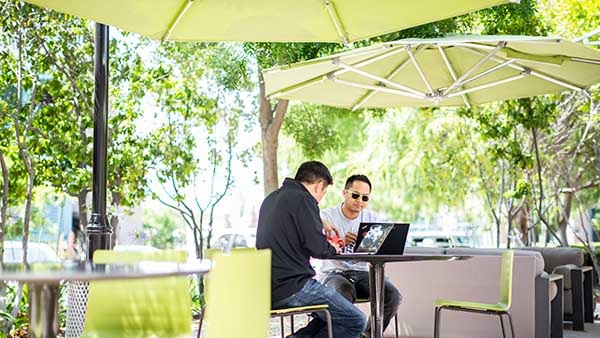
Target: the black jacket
pixel 290 225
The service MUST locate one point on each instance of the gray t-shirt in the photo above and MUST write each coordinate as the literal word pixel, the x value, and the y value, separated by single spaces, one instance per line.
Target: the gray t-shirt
pixel 335 216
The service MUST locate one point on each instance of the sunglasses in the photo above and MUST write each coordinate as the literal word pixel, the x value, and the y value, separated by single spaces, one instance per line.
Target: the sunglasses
pixel 355 195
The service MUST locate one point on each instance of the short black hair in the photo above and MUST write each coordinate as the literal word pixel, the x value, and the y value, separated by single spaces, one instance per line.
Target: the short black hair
pixel 362 178
pixel 312 172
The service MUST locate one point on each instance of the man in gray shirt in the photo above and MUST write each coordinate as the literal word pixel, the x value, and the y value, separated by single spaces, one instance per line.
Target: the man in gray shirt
pixel 351 279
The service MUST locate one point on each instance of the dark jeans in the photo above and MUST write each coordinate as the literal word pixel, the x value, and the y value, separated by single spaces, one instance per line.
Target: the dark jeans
pixel 355 285
pixel 347 320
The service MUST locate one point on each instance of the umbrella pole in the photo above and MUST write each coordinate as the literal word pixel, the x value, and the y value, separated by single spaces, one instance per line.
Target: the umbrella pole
pixel 99 230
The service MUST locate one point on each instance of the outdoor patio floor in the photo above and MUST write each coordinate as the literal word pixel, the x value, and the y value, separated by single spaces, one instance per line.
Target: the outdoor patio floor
pixel 591 331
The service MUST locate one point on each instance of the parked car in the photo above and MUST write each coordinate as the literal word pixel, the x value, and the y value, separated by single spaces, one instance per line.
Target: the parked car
pixel 36 252
pixel 441 239
pixel 235 239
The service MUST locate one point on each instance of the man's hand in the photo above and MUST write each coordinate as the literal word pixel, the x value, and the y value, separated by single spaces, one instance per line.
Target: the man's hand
pixel 350 238
pixel 335 244
pixel 330 229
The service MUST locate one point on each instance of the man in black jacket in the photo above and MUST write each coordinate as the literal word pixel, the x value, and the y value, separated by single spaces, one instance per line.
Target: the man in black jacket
pixel 290 225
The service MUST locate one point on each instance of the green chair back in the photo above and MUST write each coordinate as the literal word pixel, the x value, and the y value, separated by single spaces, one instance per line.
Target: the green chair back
pixel 155 307
pixel 110 256
pixel 211 253
pixel 506 274
pixel 238 295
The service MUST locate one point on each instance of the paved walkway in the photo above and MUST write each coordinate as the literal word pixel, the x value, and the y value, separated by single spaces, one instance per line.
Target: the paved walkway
pixel 591 331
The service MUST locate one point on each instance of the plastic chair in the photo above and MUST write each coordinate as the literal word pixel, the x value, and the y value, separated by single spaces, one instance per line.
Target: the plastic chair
pixel 281 313
pixel 208 254
pixel 156 307
pixel 367 300
pixel 293 311
pixel 499 309
pixel 239 289
pixel 300 310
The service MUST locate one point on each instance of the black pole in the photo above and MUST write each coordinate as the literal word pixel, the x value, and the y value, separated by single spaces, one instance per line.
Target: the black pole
pixel 98 229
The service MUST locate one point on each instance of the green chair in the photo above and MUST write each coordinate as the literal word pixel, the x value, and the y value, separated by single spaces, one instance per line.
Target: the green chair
pixel 239 289
pixel 157 307
pixel 499 309
pixel 293 311
pixel 208 254
pixel 300 310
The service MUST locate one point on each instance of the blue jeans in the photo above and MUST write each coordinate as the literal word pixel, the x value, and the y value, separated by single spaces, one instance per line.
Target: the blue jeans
pixel 347 321
pixel 354 284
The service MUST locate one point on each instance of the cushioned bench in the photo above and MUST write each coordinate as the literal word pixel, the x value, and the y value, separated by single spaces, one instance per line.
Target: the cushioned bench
pixel 477 279
pixel 577 282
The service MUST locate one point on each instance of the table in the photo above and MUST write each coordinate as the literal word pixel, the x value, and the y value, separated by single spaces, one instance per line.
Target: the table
pixel 43 280
pixel 377 279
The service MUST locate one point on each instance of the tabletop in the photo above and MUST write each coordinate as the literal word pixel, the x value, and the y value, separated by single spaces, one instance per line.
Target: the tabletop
pixel 85 271
pixel 398 258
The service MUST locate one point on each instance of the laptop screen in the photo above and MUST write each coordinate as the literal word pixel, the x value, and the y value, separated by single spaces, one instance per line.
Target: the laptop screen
pixel 371 236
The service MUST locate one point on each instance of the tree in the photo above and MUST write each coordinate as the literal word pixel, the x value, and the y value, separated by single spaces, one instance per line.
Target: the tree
pixel 194 147
pixel 271 113
pixel 23 100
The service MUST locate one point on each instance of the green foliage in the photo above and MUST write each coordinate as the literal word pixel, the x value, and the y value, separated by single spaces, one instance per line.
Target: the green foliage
pixel 513 19
pixel 570 18
pixel 21 322
pixel 268 55
pixel 163 227
pixel 318 129
pixel 56 50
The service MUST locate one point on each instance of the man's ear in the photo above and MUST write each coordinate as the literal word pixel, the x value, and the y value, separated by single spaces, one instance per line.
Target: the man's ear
pixel 322 185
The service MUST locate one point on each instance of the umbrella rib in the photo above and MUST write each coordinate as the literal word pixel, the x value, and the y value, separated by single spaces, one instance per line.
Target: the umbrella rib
pixel 363 99
pixel 380 79
pixel 370 93
pixel 491 70
pixel 374 87
pixel 319 78
pixel 414 61
pixel 452 73
pixel 582 60
pixel 336 21
pixel 487 85
pixel 517 66
pixel 368 61
pixel 296 87
pixel 500 45
pixel 177 19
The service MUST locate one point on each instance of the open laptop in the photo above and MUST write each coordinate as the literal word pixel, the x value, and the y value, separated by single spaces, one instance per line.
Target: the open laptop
pixel 381 238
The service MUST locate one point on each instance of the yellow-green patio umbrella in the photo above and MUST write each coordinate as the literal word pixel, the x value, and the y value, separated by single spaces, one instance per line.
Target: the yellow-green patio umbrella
pixel 452 71
pixel 265 20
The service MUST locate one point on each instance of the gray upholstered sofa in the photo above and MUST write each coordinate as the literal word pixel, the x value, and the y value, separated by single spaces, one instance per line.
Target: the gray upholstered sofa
pixel 476 279
pixel 577 282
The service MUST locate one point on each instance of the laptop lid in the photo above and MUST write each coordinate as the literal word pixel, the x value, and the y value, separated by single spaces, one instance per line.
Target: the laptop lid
pixel 371 237
pixel 395 241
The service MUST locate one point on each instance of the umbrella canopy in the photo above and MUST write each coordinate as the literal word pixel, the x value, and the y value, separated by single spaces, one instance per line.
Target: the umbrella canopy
pixel 453 71
pixel 265 20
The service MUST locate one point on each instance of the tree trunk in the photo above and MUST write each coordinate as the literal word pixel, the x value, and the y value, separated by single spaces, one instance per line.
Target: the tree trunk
pixel 270 123
pixel 564 214
pixel 3 203
pixel 82 207
pixel 114 219
pixel 269 148
pixel 3 218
